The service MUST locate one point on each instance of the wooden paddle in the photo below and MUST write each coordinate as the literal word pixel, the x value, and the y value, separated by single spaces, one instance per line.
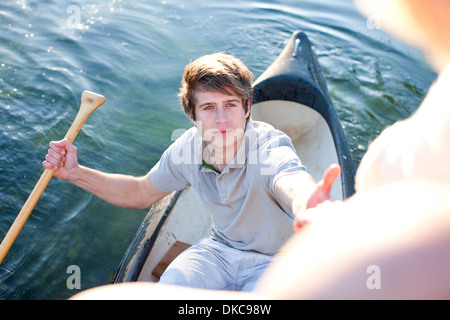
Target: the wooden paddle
pixel 89 102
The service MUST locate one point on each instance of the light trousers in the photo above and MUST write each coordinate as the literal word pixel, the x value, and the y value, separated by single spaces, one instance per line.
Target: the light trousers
pixel 213 265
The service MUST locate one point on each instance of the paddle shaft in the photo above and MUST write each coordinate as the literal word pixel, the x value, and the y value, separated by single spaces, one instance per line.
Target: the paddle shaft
pixel 89 102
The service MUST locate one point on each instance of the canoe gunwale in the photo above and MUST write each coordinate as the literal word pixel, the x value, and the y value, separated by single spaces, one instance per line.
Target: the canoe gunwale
pixel 142 244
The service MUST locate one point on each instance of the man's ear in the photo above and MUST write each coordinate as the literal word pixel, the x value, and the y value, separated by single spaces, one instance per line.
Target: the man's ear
pixel 249 105
pixel 191 118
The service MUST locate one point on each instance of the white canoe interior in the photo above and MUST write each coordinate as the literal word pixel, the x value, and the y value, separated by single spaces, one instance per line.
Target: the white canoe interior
pixel 189 220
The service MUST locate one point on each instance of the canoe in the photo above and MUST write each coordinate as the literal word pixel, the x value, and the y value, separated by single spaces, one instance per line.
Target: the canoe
pixel 292 95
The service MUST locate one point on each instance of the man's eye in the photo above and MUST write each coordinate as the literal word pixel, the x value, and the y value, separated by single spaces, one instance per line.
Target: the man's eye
pixel 230 105
pixel 207 108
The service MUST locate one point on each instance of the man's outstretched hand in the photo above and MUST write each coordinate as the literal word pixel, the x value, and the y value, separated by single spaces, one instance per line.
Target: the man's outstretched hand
pixel 320 194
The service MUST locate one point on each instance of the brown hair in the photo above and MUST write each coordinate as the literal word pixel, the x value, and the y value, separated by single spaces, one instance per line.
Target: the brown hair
pixel 218 72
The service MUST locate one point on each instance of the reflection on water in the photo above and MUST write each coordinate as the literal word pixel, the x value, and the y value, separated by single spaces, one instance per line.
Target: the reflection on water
pixel 134 52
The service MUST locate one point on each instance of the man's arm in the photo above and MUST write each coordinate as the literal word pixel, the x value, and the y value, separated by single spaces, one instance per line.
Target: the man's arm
pixel 120 190
pixel 294 190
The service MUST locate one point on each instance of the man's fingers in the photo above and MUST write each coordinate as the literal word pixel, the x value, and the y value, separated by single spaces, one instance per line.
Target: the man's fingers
pixel 48 165
pixel 55 158
pixel 56 155
pixel 321 193
pixel 59 156
pixel 58 146
pixel 330 176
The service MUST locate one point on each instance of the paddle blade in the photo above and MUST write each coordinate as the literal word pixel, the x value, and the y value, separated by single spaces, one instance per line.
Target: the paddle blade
pixel 89 102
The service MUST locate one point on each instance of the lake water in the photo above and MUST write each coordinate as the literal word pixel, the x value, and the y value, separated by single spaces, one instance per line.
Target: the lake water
pixel 134 52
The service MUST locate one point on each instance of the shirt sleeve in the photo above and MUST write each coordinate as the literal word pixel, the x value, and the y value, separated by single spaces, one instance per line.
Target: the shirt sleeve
pixel 278 159
pixel 168 174
pixel 288 164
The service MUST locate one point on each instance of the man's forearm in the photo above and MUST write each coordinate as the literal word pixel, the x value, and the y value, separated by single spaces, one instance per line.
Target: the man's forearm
pixel 119 190
pixel 294 191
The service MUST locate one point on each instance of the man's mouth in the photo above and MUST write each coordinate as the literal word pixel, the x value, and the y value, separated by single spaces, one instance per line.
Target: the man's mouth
pixel 223 132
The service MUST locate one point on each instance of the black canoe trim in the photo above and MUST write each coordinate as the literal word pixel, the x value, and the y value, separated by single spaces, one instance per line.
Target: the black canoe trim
pixel 141 245
pixel 296 76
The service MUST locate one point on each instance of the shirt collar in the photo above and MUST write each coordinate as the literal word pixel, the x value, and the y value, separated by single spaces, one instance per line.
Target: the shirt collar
pixel 239 160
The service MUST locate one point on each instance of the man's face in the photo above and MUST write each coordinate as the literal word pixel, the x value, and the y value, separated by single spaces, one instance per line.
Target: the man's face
pixel 220 118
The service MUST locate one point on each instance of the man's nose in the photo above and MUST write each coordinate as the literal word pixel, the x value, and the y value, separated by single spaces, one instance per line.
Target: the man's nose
pixel 221 115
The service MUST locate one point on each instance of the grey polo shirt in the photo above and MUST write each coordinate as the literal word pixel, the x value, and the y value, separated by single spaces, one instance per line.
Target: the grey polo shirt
pixel 246 212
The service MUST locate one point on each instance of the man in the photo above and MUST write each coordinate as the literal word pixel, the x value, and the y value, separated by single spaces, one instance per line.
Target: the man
pixel 247 174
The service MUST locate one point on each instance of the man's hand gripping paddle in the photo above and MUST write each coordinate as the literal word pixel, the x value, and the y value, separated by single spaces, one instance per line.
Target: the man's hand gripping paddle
pixel 89 102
